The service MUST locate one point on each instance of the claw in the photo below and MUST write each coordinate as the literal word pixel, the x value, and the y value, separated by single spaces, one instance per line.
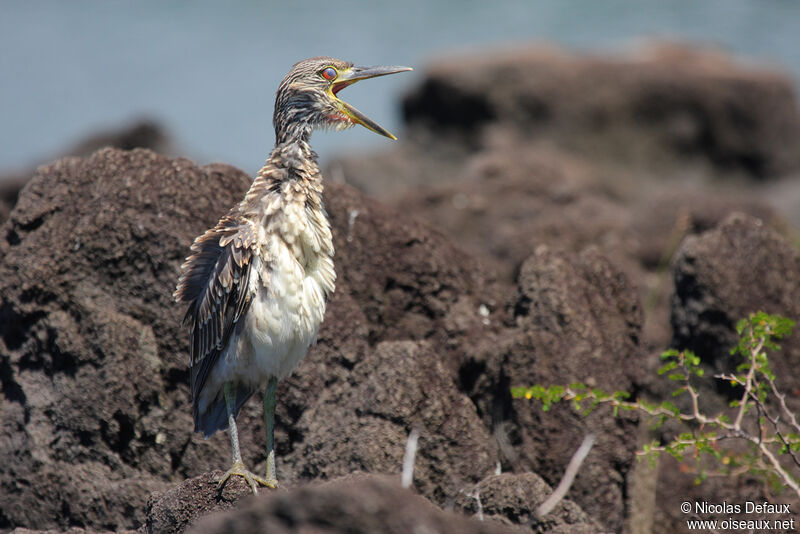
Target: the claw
pixel 252 479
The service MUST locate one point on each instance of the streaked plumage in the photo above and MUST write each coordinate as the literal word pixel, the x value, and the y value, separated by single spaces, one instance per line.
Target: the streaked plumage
pixel 257 283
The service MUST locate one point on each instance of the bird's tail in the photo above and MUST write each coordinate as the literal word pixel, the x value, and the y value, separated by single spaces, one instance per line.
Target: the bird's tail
pixel 215 416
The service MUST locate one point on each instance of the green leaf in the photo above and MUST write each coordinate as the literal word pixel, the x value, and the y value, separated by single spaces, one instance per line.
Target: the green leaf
pixel 518 392
pixel 671 353
pixel 669 366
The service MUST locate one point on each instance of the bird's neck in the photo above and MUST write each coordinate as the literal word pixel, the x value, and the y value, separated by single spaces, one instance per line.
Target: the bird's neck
pixel 292 166
pixel 290 132
pixel 295 159
pixel 293 149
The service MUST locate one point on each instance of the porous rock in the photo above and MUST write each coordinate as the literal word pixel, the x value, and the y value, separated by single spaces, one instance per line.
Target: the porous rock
pixel 174 510
pixel 94 363
pixel 576 319
pixel 512 198
pixel 400 386
pixel 71 530
pixel 93 366
pixel 676 485
pixel 722 275
pixel 523 154
pixel 512 499
pixel 727 273
pixel 357 505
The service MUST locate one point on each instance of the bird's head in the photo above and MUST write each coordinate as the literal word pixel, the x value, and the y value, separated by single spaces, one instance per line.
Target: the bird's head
pixel 307 97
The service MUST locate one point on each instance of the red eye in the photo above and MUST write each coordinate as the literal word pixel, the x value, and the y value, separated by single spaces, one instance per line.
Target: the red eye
pixel 329 73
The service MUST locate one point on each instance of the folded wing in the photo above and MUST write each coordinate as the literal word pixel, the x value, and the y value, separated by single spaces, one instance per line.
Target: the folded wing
pixel 215 282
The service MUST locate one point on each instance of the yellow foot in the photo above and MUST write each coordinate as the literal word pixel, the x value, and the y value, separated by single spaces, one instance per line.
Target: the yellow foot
pixel 252 479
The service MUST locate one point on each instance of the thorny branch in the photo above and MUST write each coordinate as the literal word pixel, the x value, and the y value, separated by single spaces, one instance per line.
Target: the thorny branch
pixel 758 333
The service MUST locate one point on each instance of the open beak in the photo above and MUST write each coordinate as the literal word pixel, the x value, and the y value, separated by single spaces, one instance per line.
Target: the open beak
pixel 354 75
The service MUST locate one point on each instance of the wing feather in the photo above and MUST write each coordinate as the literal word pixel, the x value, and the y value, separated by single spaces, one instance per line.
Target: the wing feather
pixel 215 282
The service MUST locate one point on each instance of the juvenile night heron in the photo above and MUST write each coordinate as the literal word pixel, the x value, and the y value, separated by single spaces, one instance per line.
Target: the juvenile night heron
pixel 257 283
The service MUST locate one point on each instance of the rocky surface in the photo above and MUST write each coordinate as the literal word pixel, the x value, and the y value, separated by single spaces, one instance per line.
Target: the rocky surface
pixel 94 364
pixel 626 169
pixel 528 239
pixel 667 111
pixel 71 530
pixel 512 499
pixel 94 374
pixel 359 505
pixel 721 275
pixel 532 197
pixel 10 187
pixel 583 306
pixel 664 103
pixel 356 502
pixel 738 268
pixel 655 151
pixel 675 485
pixel 175 510
pixel 402 385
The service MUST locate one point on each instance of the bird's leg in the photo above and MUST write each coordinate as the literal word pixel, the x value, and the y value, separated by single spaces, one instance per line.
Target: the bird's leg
pixel 269 420
pixel 238 467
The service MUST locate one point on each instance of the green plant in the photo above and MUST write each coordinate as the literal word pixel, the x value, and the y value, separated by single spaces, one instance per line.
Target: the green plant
pixel 760 416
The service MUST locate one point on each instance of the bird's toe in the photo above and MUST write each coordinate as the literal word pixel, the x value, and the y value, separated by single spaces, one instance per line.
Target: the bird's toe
pixel 253 480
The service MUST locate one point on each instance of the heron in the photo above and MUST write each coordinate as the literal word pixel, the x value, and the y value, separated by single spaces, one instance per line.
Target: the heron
pixel 258 282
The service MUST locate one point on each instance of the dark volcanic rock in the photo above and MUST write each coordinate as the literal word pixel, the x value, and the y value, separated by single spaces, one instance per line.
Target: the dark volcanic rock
pixel 661 219
pixel 512 500
pixel 174 510
pixel 669 112
pixel 72 530
pixel 94 376
pixel 525 154
pixel 670 102
pixel 510 199
pixel 410 281
pixel 723 275
pixel 676 485
pixel 10 186
pixel 359 505
pixel 400 386
pixel 93 365
pixel 577 319
pixel 658 223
